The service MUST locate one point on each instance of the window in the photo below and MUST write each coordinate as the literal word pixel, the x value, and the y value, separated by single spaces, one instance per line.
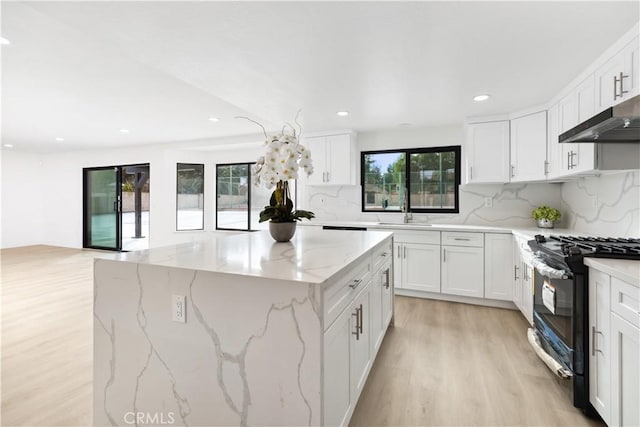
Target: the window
pixel 190 197
pixel 428 182
pixel 238 202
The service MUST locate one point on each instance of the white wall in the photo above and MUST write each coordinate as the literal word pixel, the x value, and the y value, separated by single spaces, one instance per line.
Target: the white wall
pixel 22 199
pixel 607 205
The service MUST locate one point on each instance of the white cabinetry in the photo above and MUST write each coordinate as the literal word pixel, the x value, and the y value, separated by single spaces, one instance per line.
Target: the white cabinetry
pixel 529 147
pixel 618 79
pixel 614 349
pixel 554 148
pixel 359 351
pixel 498 259
pixel 463 264
pixel 599 350
pixel 337 344
pixel 334 159
pixel 522 280
pixel 487 152
pixel 417 262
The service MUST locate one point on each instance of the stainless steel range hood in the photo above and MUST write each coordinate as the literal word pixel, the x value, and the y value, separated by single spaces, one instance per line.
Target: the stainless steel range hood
pixel 620 123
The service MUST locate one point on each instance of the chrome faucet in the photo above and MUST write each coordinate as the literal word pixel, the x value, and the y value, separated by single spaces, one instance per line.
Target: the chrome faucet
pixel 405 208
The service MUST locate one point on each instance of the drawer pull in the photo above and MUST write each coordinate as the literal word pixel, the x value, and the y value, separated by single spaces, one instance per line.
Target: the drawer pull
pixel 384 254
pixel 461 238
pixel 355 284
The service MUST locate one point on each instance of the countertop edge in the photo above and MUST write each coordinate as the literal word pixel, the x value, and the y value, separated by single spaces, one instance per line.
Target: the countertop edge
pixel 612 267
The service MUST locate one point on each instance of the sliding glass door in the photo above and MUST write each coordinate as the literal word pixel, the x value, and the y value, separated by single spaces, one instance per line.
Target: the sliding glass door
pixel 102 207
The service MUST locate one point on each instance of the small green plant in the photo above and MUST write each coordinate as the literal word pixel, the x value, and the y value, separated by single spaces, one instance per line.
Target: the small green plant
pixel 545 212
pixel 127 186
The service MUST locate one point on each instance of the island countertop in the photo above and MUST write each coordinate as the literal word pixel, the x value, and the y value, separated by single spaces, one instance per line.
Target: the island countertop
pixel 313 256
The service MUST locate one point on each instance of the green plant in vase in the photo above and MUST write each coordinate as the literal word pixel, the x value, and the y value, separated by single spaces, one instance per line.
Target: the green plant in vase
pixel 546 216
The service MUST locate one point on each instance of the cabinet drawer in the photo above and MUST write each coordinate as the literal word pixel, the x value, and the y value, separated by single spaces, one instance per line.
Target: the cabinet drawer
pixel 382 254
pixel 625 301
pixel 341 292
pixel 458 238
pixel 417 236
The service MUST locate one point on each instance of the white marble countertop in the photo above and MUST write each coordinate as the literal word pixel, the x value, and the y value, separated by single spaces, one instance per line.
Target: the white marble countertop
pixel 624 269
pixel 312 256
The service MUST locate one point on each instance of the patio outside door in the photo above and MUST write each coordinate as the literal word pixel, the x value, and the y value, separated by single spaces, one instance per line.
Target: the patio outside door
pixel 102 207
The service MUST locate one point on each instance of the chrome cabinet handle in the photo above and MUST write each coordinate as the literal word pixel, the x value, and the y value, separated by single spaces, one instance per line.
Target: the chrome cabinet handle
pixel 355 283
pixel 513 171
pixel 461 238
pixel 399 250
pixel 357 316
pixel 384 254
pixel 620 80
pixel 515 272
pixel 470 173
pixel 386 278
pixel 573 153
pixel 405 252
pixel 328 177
pixel 546 167
pixel 568 157
pixel 444 255
pixel 593 341
pixel 361 322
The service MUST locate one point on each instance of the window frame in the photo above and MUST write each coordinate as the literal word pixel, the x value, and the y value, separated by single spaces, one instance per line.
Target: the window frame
pixel 204 181
pixel 249 185
pixel 456 149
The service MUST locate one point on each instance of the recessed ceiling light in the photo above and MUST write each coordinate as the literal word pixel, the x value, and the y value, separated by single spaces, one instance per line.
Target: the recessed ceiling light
pixel 4 41
pixel 342 113
pixel 8 145
pixel 214 119
pixel 124 130
pixel 479 98
pixel 59 139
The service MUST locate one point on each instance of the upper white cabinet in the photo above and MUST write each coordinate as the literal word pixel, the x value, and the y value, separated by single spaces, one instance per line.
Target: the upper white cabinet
pixel 618 79
pixel 529 147
pixel 554 148
pixel 487 152
pixel 334 159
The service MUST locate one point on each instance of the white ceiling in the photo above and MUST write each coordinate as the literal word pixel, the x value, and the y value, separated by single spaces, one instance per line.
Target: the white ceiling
pixel 84 70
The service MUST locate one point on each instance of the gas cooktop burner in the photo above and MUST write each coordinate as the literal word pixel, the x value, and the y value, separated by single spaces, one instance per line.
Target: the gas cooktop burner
pixel 579 246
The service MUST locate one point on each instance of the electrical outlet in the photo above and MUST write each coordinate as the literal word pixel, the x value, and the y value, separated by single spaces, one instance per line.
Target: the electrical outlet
pixel 488 202
pixel 179 308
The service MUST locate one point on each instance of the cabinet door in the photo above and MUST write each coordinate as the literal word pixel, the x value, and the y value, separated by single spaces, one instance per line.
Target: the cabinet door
pixel 554 149
pixel 375 312
pixel 339 160
pixel 498 266
pixel 631 55
pixel 387 296
pixel 463 271
pixel 421 267
pixel 318 148
pixel 527 292
pixel 360 350
pixel 585 99
pixel 529 147
pixel 606 81
pixel 399 265
pixel 487 152
pixel 599 355
pixel 625 380
pixel 517 275
pixel 337 383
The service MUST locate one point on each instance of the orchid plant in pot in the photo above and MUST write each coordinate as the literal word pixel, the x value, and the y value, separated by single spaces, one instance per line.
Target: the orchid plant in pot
pixel 283 159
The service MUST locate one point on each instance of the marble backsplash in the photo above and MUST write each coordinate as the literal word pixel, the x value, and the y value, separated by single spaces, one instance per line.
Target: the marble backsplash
pixel 608 205
pixel 511 205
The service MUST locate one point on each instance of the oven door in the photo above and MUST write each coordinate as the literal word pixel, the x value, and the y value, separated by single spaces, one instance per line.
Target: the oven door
pixel 553 301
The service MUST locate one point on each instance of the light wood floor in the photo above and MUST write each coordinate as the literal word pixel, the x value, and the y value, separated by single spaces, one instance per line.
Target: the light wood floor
pixel 449 364
pixel 443 363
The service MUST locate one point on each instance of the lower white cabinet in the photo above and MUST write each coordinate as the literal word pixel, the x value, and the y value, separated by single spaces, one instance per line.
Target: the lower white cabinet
pixel 625 365
pixel 337 347
pixel 381 304
pixel 522 280
pixel 463 271
pixel 360 350
pixel 417 267
pixel 599 350
pixel 498 262
pixel 614 349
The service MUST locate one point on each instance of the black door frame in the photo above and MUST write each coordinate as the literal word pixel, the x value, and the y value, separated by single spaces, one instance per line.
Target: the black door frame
pixel 86 220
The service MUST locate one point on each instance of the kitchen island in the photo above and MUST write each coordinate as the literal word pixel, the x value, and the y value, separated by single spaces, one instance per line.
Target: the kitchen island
pixel 240 330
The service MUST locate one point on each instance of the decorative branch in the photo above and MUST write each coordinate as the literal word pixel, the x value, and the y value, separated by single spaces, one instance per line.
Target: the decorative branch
pixel 251 120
